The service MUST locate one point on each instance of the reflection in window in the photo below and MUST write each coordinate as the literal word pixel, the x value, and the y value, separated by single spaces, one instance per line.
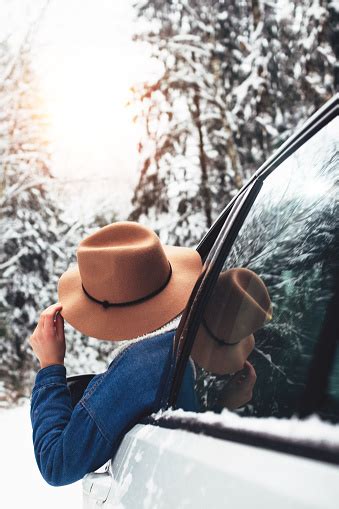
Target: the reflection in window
pixel 239 306
pixel 290 242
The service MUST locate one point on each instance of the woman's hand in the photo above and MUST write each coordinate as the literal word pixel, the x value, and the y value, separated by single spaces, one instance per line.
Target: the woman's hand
pixel 48 338
pixel 239 390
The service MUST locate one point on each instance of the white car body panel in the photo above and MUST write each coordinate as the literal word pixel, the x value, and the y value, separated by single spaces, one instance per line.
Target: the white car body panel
pixel 163 468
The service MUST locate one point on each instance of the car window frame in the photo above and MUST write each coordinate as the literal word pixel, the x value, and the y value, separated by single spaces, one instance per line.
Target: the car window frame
pixel 320 118
pixel 235 218
pixel 224 232
pixel 229 230
pixel 190 321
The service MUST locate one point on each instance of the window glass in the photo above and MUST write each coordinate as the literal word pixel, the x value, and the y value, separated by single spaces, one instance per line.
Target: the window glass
pixel 330 408
pixel 255 342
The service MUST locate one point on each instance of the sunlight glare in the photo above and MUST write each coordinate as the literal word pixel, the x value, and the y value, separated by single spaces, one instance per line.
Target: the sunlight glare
pixel 87 62
pixel 86 99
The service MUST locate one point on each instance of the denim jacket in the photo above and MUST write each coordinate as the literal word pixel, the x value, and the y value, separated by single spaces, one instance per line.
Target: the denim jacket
pixel 70 442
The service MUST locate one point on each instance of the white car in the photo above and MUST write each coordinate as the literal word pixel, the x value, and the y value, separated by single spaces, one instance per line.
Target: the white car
pixel 281 448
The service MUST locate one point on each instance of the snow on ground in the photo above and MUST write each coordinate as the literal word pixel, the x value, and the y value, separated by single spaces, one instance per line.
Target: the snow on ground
pixel 21 482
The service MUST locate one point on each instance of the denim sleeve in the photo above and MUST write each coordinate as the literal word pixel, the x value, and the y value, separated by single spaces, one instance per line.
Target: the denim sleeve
pixel 67 442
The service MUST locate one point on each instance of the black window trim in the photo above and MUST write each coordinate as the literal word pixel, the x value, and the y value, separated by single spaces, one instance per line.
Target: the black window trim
pixel 190 320
pixel 186 334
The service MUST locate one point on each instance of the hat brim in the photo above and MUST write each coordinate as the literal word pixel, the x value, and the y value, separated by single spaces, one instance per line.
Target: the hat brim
pixel 127 322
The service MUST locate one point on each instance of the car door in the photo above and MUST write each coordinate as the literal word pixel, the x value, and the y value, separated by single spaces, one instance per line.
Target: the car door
pixel 283 227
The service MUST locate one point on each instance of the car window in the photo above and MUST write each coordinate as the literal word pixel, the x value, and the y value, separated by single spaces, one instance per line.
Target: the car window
pixel 257 334
pixel 330 407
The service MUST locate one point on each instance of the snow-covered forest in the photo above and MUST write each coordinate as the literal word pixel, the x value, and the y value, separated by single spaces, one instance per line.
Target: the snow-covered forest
pixel 38 240
pixel 237 78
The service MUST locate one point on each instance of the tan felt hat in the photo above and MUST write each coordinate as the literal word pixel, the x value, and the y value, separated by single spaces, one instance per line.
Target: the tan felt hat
pixel 126 283
pixel 240 305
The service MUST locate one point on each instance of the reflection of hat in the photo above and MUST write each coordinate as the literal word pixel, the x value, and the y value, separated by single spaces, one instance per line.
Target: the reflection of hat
pixel 126 283
pixel 239 305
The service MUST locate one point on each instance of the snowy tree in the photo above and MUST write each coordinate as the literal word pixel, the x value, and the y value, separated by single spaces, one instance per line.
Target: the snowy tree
pixel 38 242
pixel 28 217
pixel 237 78
pixel 180 113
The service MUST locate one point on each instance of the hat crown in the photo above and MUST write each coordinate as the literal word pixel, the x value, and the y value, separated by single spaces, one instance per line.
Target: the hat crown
pixel 239 306
pixel 122 262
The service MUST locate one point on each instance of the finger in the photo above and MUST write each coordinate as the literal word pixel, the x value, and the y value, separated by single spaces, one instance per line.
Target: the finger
pixel 243 376
pixel 49 324
pixel 249 383
pixel 59 323
pixel 49 313
pixel 54 306
pixel 238 377
pixel 50 317
pixel 51 310
pixel 41 320
pixel 250 371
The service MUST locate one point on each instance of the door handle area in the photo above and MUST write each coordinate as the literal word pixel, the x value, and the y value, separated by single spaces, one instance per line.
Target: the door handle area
pixel 97 485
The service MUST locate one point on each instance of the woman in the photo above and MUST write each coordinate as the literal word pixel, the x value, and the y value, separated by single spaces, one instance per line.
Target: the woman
pixel 125 284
